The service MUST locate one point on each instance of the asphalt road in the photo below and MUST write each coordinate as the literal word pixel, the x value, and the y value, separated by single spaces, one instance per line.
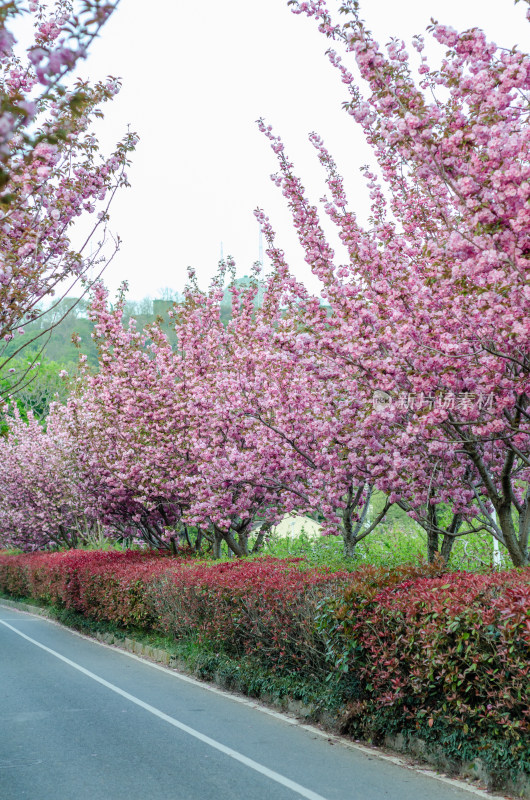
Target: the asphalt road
pixel 81 721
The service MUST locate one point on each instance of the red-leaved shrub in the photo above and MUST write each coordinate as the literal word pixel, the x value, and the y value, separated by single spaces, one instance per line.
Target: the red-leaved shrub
pixel 106 585
pixel 449 652
pixel 265 608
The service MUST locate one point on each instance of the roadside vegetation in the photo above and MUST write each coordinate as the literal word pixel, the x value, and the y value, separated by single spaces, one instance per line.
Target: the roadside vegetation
pixel 414 649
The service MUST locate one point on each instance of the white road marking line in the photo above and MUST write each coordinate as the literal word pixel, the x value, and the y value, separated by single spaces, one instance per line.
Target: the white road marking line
pixel 228 751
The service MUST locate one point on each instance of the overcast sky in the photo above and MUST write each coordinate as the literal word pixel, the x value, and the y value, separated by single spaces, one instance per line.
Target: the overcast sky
pixel 196 76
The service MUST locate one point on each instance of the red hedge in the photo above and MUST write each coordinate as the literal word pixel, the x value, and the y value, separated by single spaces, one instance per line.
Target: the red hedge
pixel 264 607
pixel 451 651
pixel 106 585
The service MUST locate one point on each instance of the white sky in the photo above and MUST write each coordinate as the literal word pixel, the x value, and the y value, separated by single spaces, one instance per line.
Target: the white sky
pixel 196 76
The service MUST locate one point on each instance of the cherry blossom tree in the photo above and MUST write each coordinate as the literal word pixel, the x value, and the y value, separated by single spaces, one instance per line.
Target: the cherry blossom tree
pixel 50 169
pixel 130 429
pixel 433 301
pixel 227 431
pixel 304 429
pixel 42 498
pixel 163 446
pixel 412 379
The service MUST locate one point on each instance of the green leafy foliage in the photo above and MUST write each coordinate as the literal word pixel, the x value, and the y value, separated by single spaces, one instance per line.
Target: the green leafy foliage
pixel 38 383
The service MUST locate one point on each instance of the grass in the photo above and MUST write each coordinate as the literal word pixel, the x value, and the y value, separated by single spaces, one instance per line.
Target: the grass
pixel 390 544
pixel 396 540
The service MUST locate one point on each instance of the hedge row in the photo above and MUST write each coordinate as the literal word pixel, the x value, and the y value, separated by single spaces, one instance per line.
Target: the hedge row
pixel 445 656
pixel 264 607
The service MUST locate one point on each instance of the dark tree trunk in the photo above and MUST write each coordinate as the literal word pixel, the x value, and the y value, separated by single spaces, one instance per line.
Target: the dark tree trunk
pixel 447 545
pixel 260 538
pixel 432 546
pixel 517 547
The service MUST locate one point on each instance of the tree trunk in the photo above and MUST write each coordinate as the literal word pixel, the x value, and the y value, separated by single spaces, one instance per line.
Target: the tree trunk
pixel 198 540
pixel 432 546
pixel 518 554
pixel 447 545
pixel 239 547
pixel 217 539
pixel 348 534
pixel 263 531
pixel 350 542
